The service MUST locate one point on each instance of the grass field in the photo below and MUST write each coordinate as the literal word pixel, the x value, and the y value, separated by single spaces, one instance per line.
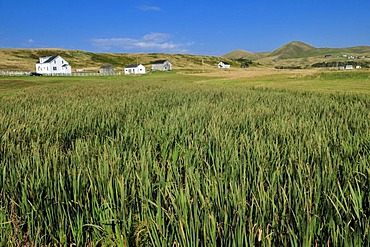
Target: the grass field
pixel 176 159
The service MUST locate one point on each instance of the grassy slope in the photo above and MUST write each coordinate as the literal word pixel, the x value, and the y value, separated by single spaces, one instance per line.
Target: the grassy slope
pixel 243 54
pixel 301 54
pixel 297 49
pixel 292 49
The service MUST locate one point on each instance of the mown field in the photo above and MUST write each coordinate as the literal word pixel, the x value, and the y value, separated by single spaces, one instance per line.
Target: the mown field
pixel 182 160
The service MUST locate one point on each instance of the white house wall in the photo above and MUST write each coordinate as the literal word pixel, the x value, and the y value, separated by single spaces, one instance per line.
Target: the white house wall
pixel 129 71
pixel 44 59
pixel 135 70
pixel 43 68
pixel 222 65
pixel 56 66
pixel 141 69
pixel 162 67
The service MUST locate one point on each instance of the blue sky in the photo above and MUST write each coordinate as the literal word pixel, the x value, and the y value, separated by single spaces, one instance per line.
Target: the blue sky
pixel 174 26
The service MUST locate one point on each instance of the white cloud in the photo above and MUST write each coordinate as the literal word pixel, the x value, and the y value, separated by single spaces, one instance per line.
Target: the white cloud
pixel 158 37
pixel 149 8
pixel 29 43
pixel 152 42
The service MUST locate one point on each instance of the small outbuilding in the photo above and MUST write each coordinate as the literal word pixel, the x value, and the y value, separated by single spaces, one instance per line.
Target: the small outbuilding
pixel 223 65
pixel 135 69
pixel 106 69
pixel 161 65
pixel 244 65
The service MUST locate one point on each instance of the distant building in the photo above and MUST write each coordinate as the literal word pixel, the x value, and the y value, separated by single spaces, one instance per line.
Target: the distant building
pixel 134 69
pixel 244 65
pixel 53 66
pixel 161 65
pixel 106 69
pixel 349 66
pixel 223 65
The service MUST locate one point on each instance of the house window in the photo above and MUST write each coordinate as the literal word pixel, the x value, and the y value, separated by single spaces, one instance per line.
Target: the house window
pixel 55 68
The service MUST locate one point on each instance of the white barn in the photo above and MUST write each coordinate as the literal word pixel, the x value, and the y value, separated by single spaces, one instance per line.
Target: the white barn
pixel 161 65
pixel 53 66
pixel 223 65
pixel 135 69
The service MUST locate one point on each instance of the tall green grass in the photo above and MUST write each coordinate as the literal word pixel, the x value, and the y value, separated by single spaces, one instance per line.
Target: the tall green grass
pixel 143 162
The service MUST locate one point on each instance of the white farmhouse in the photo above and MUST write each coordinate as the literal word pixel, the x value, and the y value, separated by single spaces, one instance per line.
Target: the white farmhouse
pixel 161 65
pixel 135 69
pixel 53 66
pixel 223 65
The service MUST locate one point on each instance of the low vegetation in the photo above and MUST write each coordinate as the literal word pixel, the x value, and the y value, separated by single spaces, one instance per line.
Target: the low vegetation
pixel 288 67
pixel 336 64
pixel 176 160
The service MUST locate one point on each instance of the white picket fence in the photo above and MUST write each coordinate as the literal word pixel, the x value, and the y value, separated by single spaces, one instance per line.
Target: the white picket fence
pixel 95 74
pixel 23 73
pixel 14 73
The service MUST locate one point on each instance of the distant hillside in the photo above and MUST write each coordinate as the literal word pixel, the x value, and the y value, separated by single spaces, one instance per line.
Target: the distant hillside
pixel 293 50
pixel 353 51
pixel 237 54
pixel 25 59
pixel 298 49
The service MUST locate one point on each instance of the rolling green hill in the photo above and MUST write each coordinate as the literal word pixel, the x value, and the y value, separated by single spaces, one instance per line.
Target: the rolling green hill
pixel 298 49
pixel 292 50
pixel 237 54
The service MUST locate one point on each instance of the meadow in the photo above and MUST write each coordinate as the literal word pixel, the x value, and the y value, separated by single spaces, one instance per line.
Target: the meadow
pixel 175 159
